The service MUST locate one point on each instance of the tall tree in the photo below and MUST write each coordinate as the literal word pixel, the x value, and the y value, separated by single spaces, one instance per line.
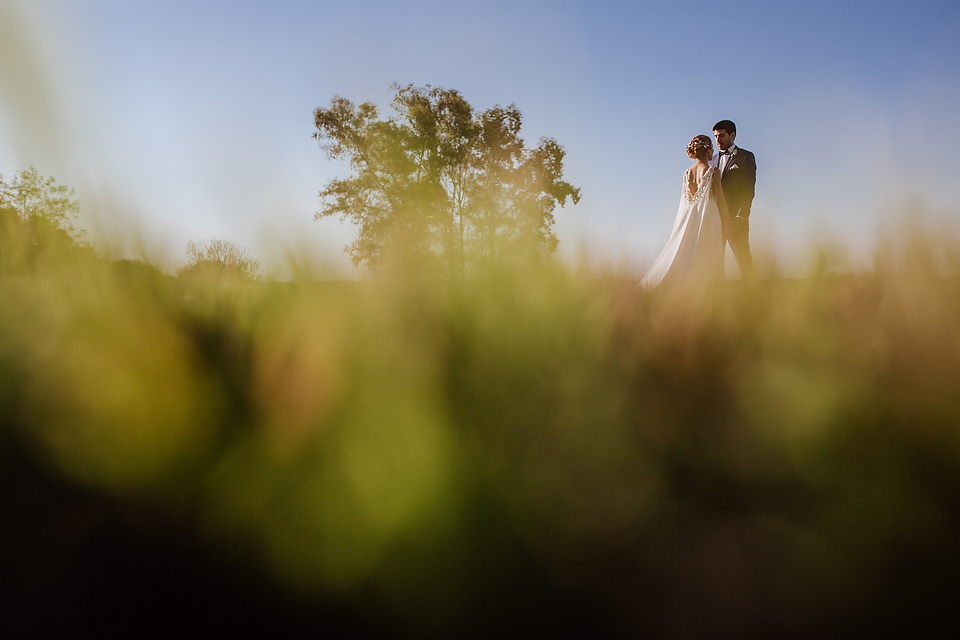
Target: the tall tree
pixel 38 222
pixel 439 183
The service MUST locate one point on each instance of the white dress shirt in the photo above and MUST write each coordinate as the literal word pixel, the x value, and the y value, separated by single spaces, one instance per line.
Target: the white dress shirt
pixel 724 159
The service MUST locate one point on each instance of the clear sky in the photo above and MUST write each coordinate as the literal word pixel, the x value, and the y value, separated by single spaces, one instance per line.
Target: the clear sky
pixel 192 119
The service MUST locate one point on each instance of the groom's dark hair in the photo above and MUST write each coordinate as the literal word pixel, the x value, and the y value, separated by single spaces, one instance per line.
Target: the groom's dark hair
pixel 725 125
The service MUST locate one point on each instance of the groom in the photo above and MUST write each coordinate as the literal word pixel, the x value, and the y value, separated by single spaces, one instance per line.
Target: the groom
pixel 738 176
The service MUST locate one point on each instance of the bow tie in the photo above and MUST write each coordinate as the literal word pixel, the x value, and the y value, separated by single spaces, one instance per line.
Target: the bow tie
pixel 726 153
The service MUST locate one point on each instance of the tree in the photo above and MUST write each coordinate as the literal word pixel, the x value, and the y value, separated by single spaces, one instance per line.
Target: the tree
pixel 37 222
pixel 220 257
pixel 440 183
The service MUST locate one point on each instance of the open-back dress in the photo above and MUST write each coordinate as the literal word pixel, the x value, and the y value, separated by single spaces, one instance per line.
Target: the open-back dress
pixel 695 247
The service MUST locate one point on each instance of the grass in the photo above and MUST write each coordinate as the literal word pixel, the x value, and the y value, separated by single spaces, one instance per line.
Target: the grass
pixel 558 446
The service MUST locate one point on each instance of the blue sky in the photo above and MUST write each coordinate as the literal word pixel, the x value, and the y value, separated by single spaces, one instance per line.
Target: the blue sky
pixel 190 120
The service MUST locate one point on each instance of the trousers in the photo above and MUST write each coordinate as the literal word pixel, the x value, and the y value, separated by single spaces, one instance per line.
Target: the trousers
pixel 739 241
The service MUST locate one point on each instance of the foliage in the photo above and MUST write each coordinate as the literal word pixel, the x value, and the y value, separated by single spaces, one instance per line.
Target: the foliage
pixel 439 183
pixel 776 461
pixel 220 256
pixel 138 269
pixel 38 223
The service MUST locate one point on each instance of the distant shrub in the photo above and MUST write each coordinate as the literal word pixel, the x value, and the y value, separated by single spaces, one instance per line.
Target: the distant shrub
pixel 220 257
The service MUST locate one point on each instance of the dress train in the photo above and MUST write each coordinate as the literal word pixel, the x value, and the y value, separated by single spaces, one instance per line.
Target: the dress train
pixel 695 247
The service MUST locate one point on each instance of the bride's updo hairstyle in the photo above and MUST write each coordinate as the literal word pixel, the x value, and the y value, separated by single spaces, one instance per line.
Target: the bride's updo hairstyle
pixel 700 148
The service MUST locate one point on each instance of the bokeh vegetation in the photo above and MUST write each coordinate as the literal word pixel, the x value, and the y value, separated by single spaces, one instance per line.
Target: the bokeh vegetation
pixel 521 449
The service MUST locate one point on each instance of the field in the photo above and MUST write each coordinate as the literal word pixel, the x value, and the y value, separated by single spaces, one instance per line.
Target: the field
pixel 545 451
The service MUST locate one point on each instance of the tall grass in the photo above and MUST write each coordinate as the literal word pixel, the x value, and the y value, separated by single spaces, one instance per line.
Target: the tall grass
pixel 687 463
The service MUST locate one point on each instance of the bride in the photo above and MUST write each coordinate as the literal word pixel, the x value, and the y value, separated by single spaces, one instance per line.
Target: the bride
pixel 695 247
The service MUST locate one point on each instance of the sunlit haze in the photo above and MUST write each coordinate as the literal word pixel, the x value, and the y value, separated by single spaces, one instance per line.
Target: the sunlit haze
pixel 192 120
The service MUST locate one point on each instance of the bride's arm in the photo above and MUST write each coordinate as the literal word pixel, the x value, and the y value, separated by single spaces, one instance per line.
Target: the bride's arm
pixel 721 201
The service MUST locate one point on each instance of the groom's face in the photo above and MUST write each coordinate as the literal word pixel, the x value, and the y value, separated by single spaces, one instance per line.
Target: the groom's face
pixel 724 139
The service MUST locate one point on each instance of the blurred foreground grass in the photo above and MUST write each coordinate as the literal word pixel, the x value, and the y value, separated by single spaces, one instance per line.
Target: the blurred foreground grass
pixel 548 449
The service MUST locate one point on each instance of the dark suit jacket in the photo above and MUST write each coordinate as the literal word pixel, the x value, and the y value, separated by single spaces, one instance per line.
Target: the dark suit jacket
pixel 739 182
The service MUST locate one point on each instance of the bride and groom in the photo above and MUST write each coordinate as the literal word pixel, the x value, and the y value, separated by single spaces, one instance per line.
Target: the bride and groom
pixel 714 210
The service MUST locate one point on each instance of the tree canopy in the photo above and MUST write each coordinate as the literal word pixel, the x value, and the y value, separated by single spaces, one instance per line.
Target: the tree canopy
pixel 439 183
pixel 37 222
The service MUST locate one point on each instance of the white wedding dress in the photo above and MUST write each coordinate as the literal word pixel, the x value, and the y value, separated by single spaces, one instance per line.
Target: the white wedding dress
pixel 695 247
